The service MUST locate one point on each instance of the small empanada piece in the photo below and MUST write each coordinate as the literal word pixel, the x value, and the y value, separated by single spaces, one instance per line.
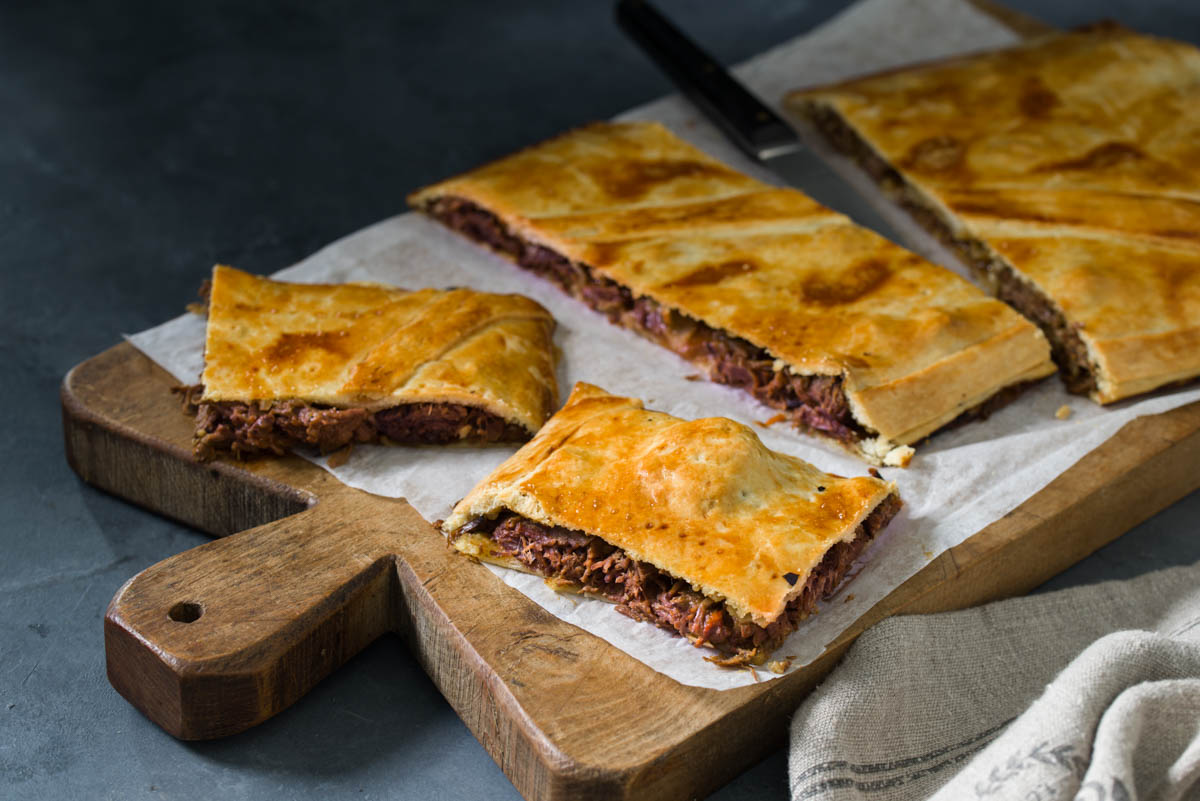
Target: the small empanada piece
pixel 329 365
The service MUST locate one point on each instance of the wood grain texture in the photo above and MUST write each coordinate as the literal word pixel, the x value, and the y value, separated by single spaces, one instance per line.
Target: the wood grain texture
pixel 286 602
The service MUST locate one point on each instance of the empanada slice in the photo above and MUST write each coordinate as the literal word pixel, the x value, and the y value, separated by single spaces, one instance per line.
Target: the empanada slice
pixel 329 365
pixel 692 525
pixel 847 334
pixel 1066 172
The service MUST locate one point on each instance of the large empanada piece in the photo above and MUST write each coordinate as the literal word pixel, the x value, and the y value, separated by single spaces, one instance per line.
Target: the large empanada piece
pixel 1066 172
pixel 693 525
pixel 332 364
pixel 848 334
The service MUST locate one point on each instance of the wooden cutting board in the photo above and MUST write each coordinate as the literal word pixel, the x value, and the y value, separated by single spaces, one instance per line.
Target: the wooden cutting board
pixel 222 637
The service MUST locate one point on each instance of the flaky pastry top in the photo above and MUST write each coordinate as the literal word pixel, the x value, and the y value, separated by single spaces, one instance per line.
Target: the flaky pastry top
pixel 374 346
pixel 703 500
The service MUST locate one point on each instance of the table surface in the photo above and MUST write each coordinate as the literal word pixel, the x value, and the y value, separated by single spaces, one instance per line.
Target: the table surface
pixel 143 142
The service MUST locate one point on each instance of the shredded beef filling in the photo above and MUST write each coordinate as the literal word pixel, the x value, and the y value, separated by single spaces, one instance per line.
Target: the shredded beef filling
pixel 814 402
pixel 1068 349
pixel 643 592
pixel 249 429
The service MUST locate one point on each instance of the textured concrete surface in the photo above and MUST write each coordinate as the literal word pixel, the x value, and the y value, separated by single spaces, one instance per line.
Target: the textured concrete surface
pixel 141 143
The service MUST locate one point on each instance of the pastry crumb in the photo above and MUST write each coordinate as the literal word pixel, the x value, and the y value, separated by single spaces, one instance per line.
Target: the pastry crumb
pixel 780 666
pixel 770 421
pixel 693 377
pixel 898 457
pixel 1064 412
pixel 849 598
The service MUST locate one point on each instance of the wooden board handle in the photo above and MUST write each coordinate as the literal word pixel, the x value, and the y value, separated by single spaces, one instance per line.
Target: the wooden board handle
pixel 217 639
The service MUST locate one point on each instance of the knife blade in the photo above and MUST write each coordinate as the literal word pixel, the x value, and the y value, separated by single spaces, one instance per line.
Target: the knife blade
pixel 745 119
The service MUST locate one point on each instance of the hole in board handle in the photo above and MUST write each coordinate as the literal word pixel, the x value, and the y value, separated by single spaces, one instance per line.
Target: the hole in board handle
pixel 185 612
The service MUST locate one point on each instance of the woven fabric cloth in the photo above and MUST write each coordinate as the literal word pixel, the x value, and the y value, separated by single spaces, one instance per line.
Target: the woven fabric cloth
pixel 1090 693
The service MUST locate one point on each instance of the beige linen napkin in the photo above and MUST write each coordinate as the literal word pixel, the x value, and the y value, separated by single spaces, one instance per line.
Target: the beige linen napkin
pixel 1091 693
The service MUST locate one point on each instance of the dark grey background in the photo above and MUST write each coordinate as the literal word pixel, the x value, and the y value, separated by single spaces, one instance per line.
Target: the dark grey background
pixel 142 142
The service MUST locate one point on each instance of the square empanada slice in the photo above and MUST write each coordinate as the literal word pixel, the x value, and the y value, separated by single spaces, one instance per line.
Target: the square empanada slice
pixel 847 334
pixel 330 365
pixel 1066 172
pixel 692 525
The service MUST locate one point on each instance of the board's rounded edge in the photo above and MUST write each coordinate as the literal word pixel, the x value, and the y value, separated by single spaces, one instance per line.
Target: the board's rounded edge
pixel 154 471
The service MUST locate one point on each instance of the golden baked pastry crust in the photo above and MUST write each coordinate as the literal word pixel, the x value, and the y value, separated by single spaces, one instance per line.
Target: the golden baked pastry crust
pixel 915 344
pixel 1074 159
pixel 375 347
pixel 703 500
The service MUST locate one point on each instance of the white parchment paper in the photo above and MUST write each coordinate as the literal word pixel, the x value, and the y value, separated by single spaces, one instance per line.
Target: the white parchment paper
pixel 957 484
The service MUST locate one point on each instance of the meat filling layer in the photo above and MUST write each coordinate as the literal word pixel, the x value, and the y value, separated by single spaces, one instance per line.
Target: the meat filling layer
pixel 1068 349
pixel 643 592
pixel 248 429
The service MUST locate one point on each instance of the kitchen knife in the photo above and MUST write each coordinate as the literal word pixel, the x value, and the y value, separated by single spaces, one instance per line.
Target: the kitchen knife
pixel 747 121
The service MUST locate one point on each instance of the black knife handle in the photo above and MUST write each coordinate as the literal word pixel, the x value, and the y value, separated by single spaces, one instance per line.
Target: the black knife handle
pixel 744 118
